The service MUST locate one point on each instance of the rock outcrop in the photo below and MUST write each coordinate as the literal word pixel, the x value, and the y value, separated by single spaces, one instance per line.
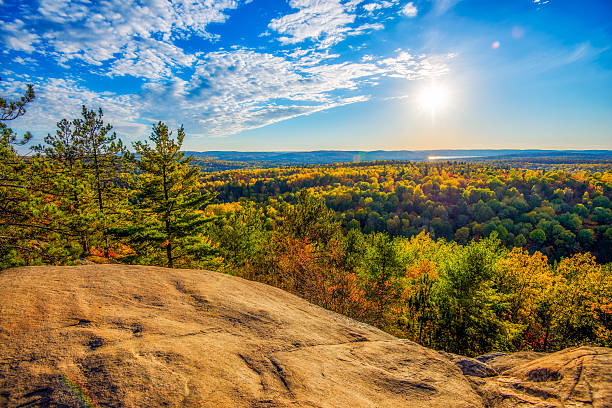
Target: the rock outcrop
pixel 135 336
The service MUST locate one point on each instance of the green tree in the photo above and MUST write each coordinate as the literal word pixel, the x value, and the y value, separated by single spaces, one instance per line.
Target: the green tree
pixel 538 236
pixel 581 210
pixel 102 156
pixel 309 219
pixel 586 237
pixel 242 236
pixel 14 223
pixel 169 222
pixel 462 235
pixel 468 304
pixel 11 110
pixel 380 274
pixel 70 182
pixel 602 215
pixel 520 241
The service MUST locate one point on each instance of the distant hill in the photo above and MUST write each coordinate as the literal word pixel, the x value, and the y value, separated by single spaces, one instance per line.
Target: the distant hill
pixel 138 336
pixel 341 156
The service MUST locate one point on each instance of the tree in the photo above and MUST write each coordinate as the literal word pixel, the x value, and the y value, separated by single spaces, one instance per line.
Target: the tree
pixel 309 219
pixel 70 183
pixel 380 274
pixel 102 156
pixel 582 305
pixel 242 234
pixel 11 110
pixel 602 215
pixel 309 257
pixel 538 236
pixel 528 282
pixel 586 237
pixel 418 310
pixel 470 308
pixel 13 190
pixel 462 235
pixel 581 210
pixel 169 221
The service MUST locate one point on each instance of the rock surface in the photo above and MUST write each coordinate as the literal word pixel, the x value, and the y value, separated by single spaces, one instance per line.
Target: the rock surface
pixel 134 336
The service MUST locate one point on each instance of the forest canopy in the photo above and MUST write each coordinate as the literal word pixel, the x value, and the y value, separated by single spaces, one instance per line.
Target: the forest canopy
pixel 556 212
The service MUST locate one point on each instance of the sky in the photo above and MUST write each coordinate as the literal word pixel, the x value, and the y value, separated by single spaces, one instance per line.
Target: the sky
pixel 277 75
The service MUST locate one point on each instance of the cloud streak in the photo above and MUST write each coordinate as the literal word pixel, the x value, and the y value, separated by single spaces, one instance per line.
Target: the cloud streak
pixel 233 91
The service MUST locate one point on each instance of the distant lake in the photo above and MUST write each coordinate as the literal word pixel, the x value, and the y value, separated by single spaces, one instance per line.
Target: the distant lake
pixel 450 157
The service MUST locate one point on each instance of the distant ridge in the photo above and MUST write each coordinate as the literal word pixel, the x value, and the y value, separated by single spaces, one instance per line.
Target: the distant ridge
pixel 343 156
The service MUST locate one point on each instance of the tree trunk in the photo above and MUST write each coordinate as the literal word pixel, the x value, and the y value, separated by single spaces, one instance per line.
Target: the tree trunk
pixel 169 254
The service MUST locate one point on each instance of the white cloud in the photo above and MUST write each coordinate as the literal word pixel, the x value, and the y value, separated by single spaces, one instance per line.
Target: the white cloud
pixel 233 91
pixel 62 98
pixel 16 37
pixel 364 28
pixel 409 10
pixel 229 92
pixel 150 58
pixel 216 93
pixel 325 21
pixel 136 37
pixel 372 7
pixel 24 60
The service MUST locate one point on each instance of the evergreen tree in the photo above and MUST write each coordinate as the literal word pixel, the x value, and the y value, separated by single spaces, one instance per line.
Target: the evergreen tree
pixel 71 183
pixel 103 155
pixel 32 228
pixel 11 110
pixel 309 219
pixel 169 219
pixel 13 193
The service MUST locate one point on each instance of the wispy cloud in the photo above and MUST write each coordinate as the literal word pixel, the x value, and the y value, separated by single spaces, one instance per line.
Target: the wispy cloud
pixel 327 21
pixel 17 37
pixel 442 6
pixel 380 5
pixel 61 98
pixel 233 91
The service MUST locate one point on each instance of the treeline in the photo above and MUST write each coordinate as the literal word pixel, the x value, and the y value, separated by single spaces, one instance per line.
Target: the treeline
pixel 557 212
pixel 464 298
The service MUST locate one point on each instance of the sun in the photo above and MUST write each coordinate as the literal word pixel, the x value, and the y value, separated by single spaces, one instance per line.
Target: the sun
pixel 433 98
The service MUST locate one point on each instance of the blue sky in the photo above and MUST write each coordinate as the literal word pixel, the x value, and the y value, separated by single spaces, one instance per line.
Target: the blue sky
pixel 319 74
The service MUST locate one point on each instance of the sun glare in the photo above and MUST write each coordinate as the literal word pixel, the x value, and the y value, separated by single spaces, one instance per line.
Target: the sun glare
pixel 433 99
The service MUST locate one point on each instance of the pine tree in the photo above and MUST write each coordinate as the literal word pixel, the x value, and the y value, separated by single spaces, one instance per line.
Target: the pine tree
pixel 170 223
pixel 103 155
pixel 11 110
pixel 13 191
pixel 70 182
